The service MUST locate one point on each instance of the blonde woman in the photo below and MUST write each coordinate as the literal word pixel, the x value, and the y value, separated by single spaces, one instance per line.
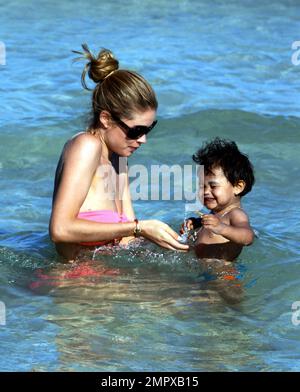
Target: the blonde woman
pixel 84 214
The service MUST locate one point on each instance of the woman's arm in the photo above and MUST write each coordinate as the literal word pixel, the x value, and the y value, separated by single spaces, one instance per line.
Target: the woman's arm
pixel 127 207
pixel 81 161
pixel 126 202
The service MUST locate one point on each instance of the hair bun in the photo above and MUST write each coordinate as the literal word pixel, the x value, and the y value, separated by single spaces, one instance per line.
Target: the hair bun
pixel 98 68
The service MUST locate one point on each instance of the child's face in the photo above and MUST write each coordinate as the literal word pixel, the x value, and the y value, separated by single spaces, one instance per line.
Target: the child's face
pixel 218 191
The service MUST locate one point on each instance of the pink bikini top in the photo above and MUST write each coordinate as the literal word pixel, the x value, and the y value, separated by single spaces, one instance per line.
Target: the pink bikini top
pixel 102 216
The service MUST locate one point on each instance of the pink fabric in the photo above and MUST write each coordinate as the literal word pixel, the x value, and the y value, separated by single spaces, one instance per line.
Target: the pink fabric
pixel 79 271
pixel 102 216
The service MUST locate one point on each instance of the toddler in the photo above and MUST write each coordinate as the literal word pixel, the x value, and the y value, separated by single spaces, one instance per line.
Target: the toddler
pixel 228 176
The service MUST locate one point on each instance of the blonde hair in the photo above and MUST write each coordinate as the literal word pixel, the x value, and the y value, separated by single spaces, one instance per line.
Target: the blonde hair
pixel 118 91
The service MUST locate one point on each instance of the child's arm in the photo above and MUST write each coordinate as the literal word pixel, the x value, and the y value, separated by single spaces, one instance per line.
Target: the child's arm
pixel 238 231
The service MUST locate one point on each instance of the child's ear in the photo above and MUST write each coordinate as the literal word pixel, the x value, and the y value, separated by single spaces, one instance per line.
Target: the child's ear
pixel 239 187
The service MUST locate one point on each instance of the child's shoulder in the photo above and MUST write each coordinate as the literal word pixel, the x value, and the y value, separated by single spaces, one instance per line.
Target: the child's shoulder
pixel 238 214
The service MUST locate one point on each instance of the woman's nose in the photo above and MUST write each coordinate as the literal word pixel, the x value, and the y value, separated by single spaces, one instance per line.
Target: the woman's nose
pixel 142 139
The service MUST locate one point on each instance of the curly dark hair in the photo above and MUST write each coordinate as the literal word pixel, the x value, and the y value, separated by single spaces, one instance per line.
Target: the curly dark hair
pixel 226 155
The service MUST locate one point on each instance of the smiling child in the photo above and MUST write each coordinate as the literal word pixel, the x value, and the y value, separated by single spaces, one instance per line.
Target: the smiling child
pixel 228 176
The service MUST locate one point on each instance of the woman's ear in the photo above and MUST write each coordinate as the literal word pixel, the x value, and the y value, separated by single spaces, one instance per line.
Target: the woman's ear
pixel 239 187
pixel 105 119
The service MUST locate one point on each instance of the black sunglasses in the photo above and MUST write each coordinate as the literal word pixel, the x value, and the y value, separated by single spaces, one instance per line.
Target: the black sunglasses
pixel 135 132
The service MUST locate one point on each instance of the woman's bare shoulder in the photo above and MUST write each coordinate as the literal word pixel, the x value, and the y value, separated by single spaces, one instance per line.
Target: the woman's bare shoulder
pixel 84 143
pixel 80 158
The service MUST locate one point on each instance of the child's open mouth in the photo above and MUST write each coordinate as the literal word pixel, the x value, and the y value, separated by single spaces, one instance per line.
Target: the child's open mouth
pixel 209 199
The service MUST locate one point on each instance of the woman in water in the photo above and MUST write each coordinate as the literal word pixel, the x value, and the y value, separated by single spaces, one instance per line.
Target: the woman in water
pixel 85 212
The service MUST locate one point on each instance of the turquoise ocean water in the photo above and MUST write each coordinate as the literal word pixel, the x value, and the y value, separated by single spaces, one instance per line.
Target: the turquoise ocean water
pixel 218 69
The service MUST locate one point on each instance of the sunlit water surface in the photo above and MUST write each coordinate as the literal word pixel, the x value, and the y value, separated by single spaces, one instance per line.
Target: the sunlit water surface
pixel 224 70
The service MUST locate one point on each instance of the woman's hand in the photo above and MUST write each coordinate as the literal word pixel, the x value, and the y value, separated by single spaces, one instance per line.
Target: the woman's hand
pixel 162 234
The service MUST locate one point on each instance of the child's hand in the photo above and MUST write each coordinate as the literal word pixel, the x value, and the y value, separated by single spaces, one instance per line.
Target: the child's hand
pixel 188 224
pixel 212 223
